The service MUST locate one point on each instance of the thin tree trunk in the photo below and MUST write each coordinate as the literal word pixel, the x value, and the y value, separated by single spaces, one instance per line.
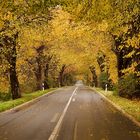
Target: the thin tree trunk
pixel 61 73
pixel 119 55
pixel 94 77
pixel 38 71
pixel 120 64
pixel 46 73
pixel 38 75
pixel 14 83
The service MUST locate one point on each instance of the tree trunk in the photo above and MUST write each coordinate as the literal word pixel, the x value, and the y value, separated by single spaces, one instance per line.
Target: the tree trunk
pixel 119 54
pixel 120 64
pixel 46 73
pixel 14 83
pixel 38 71
pixel 101 59
pixel 38 75
pixel 94 77
pixel 61 73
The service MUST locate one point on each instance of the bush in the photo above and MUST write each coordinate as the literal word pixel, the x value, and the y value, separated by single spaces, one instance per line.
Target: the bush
pixel 28 86
pixel 104 79
pixel 5 96
pixel 115 90
pixel 128 86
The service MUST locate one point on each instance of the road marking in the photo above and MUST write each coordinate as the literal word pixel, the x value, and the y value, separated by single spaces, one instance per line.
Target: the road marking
pixel 55 118
pixel 53 135
pixel 75 93
pixel 75 131
pixel 73 99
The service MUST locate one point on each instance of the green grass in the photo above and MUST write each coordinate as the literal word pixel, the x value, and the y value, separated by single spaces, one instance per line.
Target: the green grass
pixel 132 107
pixel 25 98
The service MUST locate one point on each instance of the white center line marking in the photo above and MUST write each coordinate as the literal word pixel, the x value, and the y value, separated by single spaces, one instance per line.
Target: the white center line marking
pixel 55 118
pixel 73 99
pixel 53 135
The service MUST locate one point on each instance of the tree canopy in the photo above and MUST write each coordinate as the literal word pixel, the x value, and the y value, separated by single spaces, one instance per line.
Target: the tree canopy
pixel 57 42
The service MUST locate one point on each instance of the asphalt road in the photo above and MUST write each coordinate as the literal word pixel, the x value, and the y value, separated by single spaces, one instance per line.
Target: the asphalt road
pixel 73 113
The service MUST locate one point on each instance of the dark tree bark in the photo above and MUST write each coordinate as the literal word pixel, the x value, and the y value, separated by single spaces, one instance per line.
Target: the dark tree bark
pixel 61 73
pixel 46 72
pixel 101 60
pixel 38 75
pixel 119 55
pixel 11 56
pixel 46 76
pixel 94 76
pixel 15 90
pixel 39 68
pixel 124 63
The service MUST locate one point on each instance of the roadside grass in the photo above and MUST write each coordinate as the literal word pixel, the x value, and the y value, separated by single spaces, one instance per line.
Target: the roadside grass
pixel 132 107
pixel 5 105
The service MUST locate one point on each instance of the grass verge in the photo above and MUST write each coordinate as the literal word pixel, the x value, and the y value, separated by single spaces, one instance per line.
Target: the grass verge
pixel 132 107
pixel 25 98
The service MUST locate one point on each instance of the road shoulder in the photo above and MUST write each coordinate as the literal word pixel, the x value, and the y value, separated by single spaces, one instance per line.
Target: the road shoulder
pixel 28 103
pixel 117 107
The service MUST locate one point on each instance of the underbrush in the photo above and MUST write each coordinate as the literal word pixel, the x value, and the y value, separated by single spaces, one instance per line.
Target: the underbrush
pixel 5 96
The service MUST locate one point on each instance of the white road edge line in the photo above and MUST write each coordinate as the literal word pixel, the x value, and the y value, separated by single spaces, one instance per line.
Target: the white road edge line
pixel 53 135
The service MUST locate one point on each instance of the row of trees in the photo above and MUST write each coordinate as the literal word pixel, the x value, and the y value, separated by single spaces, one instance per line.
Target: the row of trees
pixel 56 42
pixel 116 32
pixel 27 53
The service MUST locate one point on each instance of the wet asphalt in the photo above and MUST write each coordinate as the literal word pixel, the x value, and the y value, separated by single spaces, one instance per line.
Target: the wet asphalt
pixel 87 117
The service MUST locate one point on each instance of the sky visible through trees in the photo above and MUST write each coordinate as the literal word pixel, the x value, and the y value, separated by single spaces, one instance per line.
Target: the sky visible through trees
pixel 57 42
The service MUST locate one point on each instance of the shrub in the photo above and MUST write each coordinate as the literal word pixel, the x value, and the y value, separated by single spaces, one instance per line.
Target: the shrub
pixel 5 96
pixel 104 79
pixel 115 90
pixel 128 86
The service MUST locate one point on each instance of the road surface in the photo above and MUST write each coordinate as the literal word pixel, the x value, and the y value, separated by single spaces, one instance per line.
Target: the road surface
pixel 72 113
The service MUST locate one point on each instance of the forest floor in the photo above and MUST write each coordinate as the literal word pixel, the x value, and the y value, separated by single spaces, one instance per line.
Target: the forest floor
pixel 132 107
